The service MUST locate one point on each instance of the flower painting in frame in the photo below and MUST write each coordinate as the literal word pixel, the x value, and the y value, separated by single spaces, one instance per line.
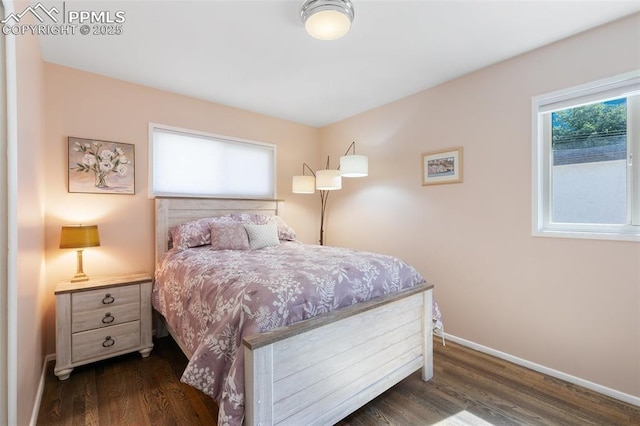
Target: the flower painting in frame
pixel 101 167
pixel 442 167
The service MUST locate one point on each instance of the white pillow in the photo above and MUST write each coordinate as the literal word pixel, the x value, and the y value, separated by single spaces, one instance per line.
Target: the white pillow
pixel 261 236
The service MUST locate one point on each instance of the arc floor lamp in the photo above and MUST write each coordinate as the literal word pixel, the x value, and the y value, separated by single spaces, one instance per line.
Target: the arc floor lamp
pixel 330 180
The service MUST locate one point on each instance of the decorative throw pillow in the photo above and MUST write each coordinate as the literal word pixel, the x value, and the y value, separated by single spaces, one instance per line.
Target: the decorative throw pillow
pixel 285 232
pixel 228 236
pixel 190 234
pixel 261 236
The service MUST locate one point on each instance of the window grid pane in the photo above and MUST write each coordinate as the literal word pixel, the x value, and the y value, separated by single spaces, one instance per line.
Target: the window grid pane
pixel 589 173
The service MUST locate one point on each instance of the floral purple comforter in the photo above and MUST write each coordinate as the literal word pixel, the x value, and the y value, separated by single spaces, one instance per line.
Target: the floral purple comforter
pixel 215 298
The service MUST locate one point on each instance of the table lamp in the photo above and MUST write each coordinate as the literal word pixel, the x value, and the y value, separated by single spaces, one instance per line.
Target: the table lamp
pixel 79 237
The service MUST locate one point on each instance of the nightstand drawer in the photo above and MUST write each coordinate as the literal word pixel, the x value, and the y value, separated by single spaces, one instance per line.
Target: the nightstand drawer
pixel 104 317
pixel 109 297
pixel 103 342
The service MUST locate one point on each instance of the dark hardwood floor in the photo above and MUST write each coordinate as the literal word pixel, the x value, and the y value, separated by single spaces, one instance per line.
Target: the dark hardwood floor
pixel 469 388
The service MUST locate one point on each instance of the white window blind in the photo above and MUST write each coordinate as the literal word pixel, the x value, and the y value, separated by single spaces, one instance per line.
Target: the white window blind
pixel 190 163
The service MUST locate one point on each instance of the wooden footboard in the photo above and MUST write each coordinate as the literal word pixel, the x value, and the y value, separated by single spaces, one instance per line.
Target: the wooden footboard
pixel 320 370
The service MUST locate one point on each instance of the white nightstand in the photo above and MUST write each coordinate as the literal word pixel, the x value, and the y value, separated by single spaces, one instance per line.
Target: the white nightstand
pixel 101 318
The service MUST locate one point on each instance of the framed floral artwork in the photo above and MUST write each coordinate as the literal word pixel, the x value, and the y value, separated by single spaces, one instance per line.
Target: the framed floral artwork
pixel 442 167
pixel 101 167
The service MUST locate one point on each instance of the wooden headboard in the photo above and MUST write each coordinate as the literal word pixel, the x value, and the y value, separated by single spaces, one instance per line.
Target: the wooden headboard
pixel 173 211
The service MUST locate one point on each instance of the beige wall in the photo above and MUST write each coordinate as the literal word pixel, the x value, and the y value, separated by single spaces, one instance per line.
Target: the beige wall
pixel 30 220
pixel 86 105
pixel 567 304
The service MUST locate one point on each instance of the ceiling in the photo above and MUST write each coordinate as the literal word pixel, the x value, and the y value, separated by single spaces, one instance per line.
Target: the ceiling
pixel 256 55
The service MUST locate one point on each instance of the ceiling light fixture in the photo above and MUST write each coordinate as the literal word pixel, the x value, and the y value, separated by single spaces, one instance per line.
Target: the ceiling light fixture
pixel 327 19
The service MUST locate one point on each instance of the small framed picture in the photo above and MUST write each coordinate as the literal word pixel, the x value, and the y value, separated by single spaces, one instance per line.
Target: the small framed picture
pixel 101 167
pixel 442 167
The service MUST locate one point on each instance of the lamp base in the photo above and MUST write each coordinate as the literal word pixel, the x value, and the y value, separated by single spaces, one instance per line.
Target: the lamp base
pixel 79 278
pixel 80 275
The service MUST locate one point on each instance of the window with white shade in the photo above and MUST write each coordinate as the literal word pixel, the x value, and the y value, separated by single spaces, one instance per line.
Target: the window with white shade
pixel 189 163
pixel 586 160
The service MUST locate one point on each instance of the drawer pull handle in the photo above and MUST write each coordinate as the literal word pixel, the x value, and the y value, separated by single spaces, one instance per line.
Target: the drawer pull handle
pixel 108 299
pixel 108 318
pixel 108 341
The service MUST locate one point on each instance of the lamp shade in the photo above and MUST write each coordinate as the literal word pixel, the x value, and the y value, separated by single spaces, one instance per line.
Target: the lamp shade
pixel 354 166
pixel 328 180
pixel 79 236
pixel 303 185
pixel 327 19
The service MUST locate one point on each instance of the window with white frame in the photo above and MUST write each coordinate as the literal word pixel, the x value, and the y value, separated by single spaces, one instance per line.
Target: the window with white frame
pixel 196 164
pixel 586 160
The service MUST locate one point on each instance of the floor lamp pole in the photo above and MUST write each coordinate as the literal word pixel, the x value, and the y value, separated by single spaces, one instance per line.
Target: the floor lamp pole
pixel 323 200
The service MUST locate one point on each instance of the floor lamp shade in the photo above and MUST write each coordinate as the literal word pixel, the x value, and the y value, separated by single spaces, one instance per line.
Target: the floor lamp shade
pixel 328 180
pixel 303 185
pixel 354 166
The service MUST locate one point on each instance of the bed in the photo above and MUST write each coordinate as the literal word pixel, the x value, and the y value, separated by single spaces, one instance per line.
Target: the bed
pixel 314 370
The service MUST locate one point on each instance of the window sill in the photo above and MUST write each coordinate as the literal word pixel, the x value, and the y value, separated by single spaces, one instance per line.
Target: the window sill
pixel 589 235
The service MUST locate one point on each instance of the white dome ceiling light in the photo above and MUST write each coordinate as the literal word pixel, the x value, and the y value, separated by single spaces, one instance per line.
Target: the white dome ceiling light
pixel 327 19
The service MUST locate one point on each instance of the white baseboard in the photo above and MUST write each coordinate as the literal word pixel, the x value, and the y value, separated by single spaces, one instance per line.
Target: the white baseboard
pixel 43 377
pixel 630 399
